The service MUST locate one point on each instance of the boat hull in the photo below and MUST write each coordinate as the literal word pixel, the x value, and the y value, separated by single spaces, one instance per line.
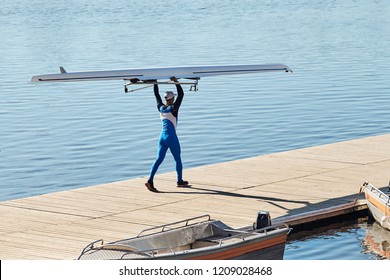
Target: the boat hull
pixel 265 249
pixel 186 72
pixel 379 205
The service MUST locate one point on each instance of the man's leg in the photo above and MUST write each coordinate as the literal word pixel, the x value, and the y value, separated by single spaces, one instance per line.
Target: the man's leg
pixel 162 151
pixel 176 152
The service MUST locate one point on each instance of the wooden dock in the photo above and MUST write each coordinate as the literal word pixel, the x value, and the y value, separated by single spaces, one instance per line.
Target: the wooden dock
pixel 58 225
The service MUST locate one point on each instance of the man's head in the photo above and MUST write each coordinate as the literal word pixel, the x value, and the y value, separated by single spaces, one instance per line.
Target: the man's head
pixel 169 97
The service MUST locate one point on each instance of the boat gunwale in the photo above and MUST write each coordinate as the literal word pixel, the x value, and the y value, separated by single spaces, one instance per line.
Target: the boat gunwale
pixel 377 193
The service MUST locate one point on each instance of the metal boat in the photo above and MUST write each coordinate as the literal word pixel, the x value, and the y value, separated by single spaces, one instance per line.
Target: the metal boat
pixel 378 204
pixel 198 238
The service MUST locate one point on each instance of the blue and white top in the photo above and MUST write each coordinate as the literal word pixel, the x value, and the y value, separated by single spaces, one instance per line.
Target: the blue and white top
pixel 169 114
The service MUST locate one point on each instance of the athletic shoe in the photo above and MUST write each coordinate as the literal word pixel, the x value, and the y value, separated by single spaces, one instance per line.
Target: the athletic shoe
pixel 182 184
pixel 150 186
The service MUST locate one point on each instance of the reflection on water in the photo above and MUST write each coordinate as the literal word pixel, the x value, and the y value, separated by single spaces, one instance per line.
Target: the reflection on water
pixel 377 241
pixel 350 240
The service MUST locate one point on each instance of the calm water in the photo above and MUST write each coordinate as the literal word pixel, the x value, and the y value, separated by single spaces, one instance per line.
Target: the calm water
pixel 63 136
pixel 353 240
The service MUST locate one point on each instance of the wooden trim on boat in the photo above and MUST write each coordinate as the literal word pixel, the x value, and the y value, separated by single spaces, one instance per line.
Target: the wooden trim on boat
pixel 378 203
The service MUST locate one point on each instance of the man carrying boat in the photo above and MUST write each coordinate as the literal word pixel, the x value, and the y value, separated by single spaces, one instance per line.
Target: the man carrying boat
pixel 168 138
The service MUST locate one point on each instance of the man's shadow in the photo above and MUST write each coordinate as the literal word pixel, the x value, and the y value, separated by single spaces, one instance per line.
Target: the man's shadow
pixel 271 200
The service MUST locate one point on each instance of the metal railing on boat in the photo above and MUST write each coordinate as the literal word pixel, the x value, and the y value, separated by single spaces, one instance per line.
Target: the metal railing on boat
pixel 186 221
pixel 380 195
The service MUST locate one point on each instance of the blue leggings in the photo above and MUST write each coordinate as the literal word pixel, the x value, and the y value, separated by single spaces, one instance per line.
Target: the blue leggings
pixel 168 142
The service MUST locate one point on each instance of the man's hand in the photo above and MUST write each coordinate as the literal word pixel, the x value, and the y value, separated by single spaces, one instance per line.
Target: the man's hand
pixel 150 81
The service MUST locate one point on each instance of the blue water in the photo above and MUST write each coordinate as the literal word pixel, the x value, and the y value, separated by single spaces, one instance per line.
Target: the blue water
pixel 64 136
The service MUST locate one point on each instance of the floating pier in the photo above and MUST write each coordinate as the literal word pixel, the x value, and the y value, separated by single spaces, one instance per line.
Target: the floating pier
pixel 294 186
